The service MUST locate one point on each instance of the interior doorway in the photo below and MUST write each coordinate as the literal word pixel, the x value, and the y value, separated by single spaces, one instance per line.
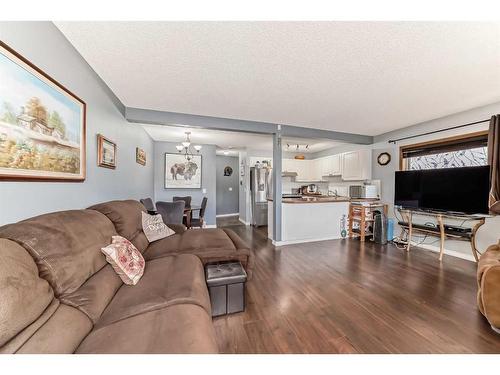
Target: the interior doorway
pixel 227 192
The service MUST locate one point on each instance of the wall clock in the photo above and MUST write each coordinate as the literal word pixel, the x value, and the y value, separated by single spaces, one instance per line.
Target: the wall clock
pixel 384 158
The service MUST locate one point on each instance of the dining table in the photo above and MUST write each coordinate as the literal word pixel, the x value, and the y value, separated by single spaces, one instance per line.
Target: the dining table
pixel 188 213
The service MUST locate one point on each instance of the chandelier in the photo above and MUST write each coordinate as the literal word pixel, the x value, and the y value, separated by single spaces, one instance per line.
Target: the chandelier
pixel 185 148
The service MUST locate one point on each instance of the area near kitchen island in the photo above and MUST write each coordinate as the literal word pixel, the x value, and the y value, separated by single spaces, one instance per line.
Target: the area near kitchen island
pixel 309 219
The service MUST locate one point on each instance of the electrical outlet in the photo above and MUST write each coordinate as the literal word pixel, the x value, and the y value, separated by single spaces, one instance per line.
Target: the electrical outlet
pixel 204 191
pixel 230 188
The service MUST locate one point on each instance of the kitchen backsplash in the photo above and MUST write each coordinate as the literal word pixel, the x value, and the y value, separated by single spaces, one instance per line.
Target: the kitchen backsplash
pixel 334 184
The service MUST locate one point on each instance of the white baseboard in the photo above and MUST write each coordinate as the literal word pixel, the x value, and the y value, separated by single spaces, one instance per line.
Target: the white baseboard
pixel 244 222
pixel 291 242
pixel 452 253
pixel 227 215
pixel 210 226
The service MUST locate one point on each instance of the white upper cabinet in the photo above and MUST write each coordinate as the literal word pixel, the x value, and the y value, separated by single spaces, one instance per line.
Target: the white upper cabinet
pixel 336 165
pixel 352 166
pixel 304 170
pixel 357 165
pixel 287 165
pixel 331 165
pixel 321 167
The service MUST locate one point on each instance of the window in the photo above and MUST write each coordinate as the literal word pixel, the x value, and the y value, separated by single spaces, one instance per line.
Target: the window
pixel 469 150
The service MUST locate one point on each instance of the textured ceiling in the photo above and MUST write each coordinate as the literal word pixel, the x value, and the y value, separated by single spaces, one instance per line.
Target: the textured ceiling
pixel 358 77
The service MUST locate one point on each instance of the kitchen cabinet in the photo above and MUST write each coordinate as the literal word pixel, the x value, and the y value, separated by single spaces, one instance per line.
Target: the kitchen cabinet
pixel 304 170
pixel 336 165
pixel 315 169
pixel 307 170
pixel 320 166
pixel 287 165
pixel 357 165
pixel 295 165
pixel 328 166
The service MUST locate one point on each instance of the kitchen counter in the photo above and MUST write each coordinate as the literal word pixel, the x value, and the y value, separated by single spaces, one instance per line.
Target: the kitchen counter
pixel 309 219
pixel 313 200
pixel 323 199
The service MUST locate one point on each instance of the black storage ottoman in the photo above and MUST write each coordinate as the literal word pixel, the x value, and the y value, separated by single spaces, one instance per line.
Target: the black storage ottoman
pixel 226 286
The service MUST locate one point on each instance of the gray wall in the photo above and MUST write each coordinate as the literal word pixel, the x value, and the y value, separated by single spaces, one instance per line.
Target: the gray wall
pixel 490 232
pixel 227 200
pixel 44 45
pixel 208 180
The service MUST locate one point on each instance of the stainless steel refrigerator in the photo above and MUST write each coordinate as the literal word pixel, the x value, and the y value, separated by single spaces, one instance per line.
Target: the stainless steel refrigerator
pixel 260 178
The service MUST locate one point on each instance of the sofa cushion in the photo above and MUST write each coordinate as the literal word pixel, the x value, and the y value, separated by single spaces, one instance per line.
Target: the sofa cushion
pixel 166 281
pixel 61 334
pixel 66 245
pixel 184 328
pixel 23 294
pixel 127 218
pixel 95 294
pixel 210 245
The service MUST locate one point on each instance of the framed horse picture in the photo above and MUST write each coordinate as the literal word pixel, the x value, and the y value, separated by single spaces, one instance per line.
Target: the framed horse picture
pixel 181 173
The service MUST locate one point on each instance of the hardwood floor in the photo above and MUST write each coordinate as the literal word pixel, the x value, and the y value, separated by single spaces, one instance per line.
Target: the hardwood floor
pixel 343 296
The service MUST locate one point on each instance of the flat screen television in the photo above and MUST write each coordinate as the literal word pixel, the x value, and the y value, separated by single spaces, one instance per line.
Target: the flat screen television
pixel 463 190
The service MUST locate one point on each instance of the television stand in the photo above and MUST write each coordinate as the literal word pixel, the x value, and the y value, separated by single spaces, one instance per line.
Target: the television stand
pixel 440 229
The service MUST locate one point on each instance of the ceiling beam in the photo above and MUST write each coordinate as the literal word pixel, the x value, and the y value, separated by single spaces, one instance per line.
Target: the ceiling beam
pixel 153 117
pixel 301 132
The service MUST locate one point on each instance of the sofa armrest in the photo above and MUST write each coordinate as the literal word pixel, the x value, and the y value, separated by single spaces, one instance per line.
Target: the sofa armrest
pixel 177 228
pixel 489 285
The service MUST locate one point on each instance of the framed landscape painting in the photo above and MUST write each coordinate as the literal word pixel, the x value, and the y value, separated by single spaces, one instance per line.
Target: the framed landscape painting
pixel 42 124
pixel 106 152
pixel 140 156
pixel 181 173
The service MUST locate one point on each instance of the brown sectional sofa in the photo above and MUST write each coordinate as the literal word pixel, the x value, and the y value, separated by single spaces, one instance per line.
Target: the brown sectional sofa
pixel 59 295
pixel 488 281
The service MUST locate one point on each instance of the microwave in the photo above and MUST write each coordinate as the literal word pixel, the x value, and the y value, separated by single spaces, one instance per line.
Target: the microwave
pixel 363 191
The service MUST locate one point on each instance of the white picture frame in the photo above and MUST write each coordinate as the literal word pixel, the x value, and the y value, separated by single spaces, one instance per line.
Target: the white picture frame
pixel 181 173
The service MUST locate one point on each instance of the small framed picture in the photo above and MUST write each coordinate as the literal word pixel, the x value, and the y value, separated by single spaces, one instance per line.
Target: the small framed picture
pixel 106 152
pixel 140 156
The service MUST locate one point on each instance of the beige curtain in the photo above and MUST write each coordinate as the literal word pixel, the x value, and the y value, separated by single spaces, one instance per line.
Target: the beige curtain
pixel 494 162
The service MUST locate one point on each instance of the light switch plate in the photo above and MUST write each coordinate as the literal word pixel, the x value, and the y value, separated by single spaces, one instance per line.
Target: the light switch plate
pixel 230 188
pixel 204 191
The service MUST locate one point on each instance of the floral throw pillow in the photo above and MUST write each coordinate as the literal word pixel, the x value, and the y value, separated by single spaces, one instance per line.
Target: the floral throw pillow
pixel 126 260
pixel 154 228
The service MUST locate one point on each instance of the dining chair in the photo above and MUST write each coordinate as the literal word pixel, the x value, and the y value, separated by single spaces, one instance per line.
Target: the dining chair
pixel 148 204
pixel 186 199
pixel 171 212
pixel 189 214
pixel 200 220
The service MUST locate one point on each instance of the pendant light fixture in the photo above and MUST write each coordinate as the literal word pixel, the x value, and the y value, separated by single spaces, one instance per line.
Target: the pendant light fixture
pixel 185 148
